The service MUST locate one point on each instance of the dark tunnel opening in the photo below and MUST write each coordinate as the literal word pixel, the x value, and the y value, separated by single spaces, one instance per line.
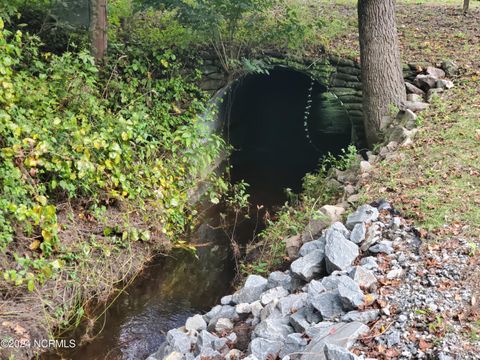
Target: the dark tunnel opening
pixel 278 135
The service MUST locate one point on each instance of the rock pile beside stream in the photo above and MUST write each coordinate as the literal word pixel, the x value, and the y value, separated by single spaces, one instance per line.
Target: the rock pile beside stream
pixel 315 310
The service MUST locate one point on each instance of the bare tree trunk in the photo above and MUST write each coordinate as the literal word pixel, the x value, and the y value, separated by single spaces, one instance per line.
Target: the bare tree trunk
pixel 466 5
pixel 98 28
pixel 382 78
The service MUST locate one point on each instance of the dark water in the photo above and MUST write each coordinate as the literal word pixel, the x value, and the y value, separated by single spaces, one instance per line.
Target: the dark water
pixel 266 128
pixel 169 291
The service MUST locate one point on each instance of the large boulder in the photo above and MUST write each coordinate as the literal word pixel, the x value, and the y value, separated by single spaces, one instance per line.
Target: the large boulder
pixel 251 291
pixel 339 252
pixel 435 72
pixel 309 266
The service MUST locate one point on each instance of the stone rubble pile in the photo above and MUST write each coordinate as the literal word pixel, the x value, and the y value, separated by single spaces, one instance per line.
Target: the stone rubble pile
pixel 315 310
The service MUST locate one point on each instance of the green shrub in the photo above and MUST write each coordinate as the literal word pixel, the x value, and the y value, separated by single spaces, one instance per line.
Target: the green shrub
pixel 65 133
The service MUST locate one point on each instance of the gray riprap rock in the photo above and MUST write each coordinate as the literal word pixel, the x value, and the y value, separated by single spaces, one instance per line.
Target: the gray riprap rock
pixel 351 297
pixel 328 304
pixel 363 277
pixel 435 72
pixel 223 324
pixel 310 265
pixel 196 323
pixel 251 291
pixel 338 226
pixel 372 236
pixel 180 341
pixel 220 311
pixel 369 263
pixel 444 84
pixel 415 97
pixel 384 246
pixel 315 287
pixel 292 303
pixel 414 90
pixel 339 252
pixel 243 308
pixel 272 329
pixel 425 82
pixel 256 308
pixel 450 67
pixel 299 321
pixel 263 349
pixel 294 343
pixel 416 106
pixel 358 233
pixel 393 337
pixel 226 300
pixel 395 273
pixel 209 340
pixel 234 354
pixel 310 246
pixel 279 278
pixel 335 352
pixel 340 334
pixel 175 355
pixel 364 213
pixel 208 353
pixel 273 294
pixel 361 316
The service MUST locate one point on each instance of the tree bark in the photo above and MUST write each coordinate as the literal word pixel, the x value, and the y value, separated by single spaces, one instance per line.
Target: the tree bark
pixel 382 78
pixel 98 28
pixel 466 5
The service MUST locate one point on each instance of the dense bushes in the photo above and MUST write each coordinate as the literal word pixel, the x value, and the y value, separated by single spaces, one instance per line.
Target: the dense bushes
pixel 131 134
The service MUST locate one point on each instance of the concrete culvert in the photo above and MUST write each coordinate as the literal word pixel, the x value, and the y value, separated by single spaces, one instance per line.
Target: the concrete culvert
pixel 280 124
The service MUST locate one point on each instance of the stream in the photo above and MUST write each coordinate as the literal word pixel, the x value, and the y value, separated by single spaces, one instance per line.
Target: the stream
pixel 271 153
